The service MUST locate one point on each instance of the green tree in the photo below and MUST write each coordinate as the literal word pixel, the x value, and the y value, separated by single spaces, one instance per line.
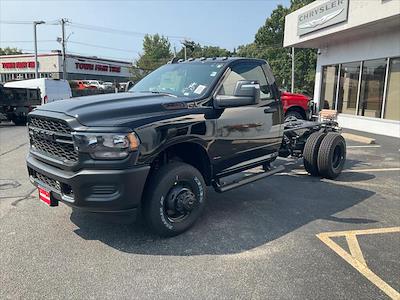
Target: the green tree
pixel 268 44
pixel 195 50
pixel 9 51
pixel 156 52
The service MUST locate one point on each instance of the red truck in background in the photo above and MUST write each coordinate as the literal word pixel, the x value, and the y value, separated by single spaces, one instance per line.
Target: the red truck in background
pixel 296 105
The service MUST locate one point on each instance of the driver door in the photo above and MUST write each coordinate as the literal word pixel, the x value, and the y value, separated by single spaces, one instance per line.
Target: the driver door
pixel 246 134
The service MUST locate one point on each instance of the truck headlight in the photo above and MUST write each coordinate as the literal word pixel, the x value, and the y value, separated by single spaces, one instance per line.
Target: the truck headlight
pixel 106 145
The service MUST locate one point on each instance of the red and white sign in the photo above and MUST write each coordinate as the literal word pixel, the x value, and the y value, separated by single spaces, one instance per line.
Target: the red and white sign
pixel 97 67
pixel 18 65
pixel 45 197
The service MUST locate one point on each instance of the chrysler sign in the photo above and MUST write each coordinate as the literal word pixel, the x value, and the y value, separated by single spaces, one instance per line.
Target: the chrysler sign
pixel 324 15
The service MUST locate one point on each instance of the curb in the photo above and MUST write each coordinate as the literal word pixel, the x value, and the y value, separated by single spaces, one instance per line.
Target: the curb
pixel 358 138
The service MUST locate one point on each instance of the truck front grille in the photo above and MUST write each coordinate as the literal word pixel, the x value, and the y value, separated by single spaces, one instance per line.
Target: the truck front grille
pixel 50 125
pixel 48 181
pixel 52 138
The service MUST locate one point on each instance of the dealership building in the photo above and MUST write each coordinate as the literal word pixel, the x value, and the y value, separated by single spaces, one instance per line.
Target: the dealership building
pixel 358 62
pixel 50 65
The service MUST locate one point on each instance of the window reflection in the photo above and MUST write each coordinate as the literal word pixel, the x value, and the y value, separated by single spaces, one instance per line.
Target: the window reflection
pixel 348 87
pixel 329 83
pixel 392 109
pixel 372 85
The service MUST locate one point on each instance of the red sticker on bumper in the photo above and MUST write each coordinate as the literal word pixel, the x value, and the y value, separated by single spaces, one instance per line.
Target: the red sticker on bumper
pixel 45 196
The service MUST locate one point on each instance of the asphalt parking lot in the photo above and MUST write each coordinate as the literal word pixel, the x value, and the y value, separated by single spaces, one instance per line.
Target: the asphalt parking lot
pixel 290 236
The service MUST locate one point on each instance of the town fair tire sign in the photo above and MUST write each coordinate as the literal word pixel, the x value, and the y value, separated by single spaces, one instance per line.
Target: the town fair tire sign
pixel 327 14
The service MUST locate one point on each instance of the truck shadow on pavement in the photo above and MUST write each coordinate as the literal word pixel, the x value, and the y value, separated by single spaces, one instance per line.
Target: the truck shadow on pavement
pixel 238 220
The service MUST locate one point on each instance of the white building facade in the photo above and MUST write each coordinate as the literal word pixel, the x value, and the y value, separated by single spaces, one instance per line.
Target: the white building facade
pixel 358 63
pixel 22 66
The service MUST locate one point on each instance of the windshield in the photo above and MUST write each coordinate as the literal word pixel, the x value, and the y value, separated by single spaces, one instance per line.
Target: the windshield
pixel 191 80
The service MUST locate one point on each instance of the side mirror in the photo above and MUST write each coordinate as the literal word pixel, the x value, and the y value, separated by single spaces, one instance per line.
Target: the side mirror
pixel 246 92
pixel 128 86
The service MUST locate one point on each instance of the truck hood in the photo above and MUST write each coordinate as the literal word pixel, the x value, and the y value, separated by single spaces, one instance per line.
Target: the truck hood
pixel 120 109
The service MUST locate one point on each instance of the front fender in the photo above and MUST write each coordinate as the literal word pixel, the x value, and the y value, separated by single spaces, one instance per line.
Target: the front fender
pixel 160 135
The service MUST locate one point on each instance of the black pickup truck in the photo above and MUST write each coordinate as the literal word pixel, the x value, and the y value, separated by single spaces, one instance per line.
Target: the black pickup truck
pixel 187 125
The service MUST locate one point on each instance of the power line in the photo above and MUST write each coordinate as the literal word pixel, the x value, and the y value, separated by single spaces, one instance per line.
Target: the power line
pixel 90 27
pixel 87 55
pixel 16 22
pixel 102 29
pixel 77 43
pixel 103 47
pixel 118 31
pixel 41 41
pixel 54 22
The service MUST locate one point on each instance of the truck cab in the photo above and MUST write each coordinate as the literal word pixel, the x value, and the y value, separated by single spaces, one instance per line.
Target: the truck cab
pixel 153 150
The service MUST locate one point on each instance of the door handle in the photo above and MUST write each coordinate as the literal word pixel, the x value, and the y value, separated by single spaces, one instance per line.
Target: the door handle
pixel 270 109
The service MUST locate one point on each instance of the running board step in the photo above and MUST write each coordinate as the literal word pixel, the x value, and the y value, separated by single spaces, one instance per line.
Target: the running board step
pixel 223 188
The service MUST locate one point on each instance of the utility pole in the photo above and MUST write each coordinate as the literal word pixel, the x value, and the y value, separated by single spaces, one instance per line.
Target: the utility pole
pixel 64 67
pixel 185 43
pixel 292 70
pixel 35 23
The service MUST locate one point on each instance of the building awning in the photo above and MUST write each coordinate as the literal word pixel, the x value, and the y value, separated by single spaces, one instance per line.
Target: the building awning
pixel 322 23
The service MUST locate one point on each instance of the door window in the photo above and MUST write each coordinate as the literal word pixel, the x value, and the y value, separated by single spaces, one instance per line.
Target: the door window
pixel 246 72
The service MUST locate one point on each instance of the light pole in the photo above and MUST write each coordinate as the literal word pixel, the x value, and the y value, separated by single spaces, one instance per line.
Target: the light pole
pixel 292 89
pixel 63 21
pixel 35 23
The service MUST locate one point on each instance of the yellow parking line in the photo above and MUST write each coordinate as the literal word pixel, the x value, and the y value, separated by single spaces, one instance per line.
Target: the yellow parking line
pixel 362 231
pixel 356 258
pixel 354 248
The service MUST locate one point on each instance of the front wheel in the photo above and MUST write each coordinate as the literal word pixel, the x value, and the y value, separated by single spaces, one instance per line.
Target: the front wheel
pixel 174 199
pixel 20 121
pixel 293 114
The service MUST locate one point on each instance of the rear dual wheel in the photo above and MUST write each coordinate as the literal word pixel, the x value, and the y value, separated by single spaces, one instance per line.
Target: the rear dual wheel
pixel 324 154
pixel 310 153
pixel 331 155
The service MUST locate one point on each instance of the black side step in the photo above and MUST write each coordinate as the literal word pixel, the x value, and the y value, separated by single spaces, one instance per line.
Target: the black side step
pixel 223 188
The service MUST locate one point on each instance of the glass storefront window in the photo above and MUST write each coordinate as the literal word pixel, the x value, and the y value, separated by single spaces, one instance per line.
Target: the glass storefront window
pixel 328 89
pixel 348 88
pixel 392 109
pixel 372 85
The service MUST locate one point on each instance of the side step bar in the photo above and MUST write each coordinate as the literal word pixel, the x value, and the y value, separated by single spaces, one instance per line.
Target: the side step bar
pixel 223 188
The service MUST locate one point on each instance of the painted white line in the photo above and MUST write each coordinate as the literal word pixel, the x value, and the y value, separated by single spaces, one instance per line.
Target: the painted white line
pixel 301 172
pixel 365 146
pixel 358 138
pixel 371 170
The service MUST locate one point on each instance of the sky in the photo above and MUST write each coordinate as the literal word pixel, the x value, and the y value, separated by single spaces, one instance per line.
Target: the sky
pixel 218 23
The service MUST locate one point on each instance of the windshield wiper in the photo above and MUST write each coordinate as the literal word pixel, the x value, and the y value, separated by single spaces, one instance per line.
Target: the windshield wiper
pixel 159 93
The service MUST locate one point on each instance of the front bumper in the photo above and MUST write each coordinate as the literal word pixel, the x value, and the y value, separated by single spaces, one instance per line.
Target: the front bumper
pixel 93 190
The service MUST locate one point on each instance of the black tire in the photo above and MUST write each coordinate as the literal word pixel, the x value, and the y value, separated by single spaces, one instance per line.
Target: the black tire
pixel 174 199
pixel 310 153
pixel 20 121
pixel 332 155
pixel 294 113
